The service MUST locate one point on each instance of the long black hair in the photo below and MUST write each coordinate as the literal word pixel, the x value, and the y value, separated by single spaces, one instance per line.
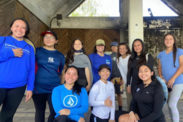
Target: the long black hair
pixel 70 53
pixel 27 26
pixel 76 88
pixel 127 47
pixel 142 58
pixel 174 47
pixel 153 77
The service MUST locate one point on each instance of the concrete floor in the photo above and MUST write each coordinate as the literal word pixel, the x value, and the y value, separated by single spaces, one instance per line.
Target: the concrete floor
pixel 26 111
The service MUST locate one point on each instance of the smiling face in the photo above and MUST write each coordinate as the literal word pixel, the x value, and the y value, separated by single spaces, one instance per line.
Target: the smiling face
pixel 49 40
pixel 100 48
pixel 137 47
pixel 145 73
pixel 169 41
pixel 18 29
pixel 78 45
pixel 104 74
pixel 123 50
pixel 71 75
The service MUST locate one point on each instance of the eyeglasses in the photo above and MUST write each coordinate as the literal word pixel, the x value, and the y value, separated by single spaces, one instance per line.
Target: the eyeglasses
pixel 47 37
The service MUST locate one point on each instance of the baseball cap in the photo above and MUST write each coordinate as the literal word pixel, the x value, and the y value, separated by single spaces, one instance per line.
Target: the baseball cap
pixel 100 42
pixel 104 66
pixel 50 32
pixel 114 44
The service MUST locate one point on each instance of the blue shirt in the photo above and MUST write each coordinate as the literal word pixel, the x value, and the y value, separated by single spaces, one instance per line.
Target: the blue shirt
pixel 16 71
pixel 96 61
pixel 49 66
pixel 62 98
pixel 167 64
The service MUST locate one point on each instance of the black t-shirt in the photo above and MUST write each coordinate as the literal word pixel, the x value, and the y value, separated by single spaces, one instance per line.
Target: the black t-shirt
pixel 148 102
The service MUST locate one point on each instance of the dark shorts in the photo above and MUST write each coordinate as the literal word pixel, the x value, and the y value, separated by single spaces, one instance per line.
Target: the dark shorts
pixel 118 87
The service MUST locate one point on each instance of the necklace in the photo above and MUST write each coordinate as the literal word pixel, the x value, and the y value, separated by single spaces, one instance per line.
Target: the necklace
pixel 16 44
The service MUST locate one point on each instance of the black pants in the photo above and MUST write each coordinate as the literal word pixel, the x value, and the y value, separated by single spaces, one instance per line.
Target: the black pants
pixel 93 118
pixel 10 100
pixel 40 105
pixel 63 118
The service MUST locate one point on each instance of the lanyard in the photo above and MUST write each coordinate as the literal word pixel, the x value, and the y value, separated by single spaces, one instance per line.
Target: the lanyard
pixel 16 44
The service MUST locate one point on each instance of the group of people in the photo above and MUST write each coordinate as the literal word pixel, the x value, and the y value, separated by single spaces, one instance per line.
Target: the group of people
pixel 72 83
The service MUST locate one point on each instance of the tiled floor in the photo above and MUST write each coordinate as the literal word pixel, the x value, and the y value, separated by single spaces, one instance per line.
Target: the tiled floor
pixel 26 111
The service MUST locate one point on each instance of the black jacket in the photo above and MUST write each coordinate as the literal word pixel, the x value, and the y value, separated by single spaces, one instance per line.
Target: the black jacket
pixel 148 102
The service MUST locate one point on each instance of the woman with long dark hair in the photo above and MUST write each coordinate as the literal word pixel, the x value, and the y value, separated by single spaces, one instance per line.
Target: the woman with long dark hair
pixel 70 100
pixel 99 57
pixel 148 98
pixel 17 62
pixel 49 65
pixel 123 56
pixel 138 57
pixel 170 68
pixel 76 56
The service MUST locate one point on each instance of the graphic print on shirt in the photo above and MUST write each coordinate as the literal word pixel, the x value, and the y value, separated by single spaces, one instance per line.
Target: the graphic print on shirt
pixel 138 89
pixel 51 59
pixel 107 61
pixel 114 58
pixel 70 101
pixel 14 47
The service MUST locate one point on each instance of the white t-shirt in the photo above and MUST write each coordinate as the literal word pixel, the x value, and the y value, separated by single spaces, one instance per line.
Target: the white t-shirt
pixel 98 94
pixel 123 67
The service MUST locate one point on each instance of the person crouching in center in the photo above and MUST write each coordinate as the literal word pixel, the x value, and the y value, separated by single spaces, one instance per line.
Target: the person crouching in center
pixel 102 97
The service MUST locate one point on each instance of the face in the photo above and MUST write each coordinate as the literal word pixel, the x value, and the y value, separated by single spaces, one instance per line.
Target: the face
pixel 122 50
pixel 169 41
pixel 18 29
pixel 114 49
pixel 100 48
pixel 78 45
pixel 104 73
pixel 49 40
pixel 145 73
pixel 137 47
pixel 71 76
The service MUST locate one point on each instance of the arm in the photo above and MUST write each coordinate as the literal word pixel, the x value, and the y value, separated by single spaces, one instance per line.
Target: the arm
pixel 92 97
pixel 87 73
pixel 158 106
pixel 91 59
pixel 90 70
pixel 133 104
pixel 74 117
pixel 31 77
pixel 6 55
pixel 62 64
pixel 84 105
pixel 56 100
pixel 150 60
pixel 112 117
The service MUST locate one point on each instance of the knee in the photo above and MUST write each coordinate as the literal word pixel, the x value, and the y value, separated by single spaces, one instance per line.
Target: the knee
pixel 121 119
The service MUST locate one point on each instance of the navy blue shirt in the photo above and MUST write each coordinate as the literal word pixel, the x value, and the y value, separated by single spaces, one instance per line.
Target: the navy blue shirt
pixel 49 66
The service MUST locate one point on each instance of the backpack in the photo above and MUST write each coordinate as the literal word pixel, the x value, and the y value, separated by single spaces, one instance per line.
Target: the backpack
pixel 163 84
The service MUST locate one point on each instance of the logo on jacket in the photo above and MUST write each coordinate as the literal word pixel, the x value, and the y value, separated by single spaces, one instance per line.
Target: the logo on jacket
pixel 70 101
pixel 51 59
pixel 138 89
pixel 114 58
pixel 107 61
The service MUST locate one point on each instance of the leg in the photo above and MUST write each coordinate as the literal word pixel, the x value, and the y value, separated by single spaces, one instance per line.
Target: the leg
pixel 93 118
pixel 62 118
pixel 173 100
pixel 52 112
pixel 119 91
pixel 40 106
pixel 11 103
pixel 2 95
pixel 128 98
pixel 118 113
pixel 123 118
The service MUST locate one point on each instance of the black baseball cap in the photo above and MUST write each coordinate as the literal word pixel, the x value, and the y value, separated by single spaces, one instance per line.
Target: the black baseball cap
pixel 50 32
pixel 104 66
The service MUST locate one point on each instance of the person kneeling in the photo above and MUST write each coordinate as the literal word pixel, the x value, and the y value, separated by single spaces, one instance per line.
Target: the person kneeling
pixel 70 100
pixel 148 99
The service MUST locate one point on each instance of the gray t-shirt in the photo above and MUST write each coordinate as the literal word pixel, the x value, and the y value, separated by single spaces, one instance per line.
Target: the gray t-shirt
pixel 115 70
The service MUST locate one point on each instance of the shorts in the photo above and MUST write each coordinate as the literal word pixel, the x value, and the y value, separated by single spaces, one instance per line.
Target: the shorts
pixel 118 87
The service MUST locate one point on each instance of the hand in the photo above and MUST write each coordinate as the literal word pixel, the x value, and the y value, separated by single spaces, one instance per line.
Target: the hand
pixel 87 88
pixel 132 117
pixel 108 102
pixel 121 82
pixel 81 119
pixel 164 80
pixel 129 89
pixel 18 52
pixel 170 83
pixel 64 112
pixel 28 95
pixel 111 120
